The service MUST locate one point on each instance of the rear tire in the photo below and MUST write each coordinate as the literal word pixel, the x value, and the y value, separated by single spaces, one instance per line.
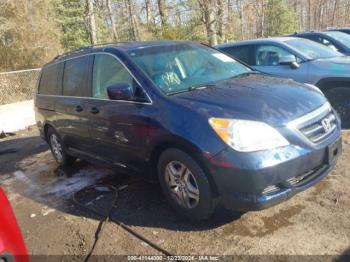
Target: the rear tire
pixel 185 185
pixel 340 100
pixel 58 149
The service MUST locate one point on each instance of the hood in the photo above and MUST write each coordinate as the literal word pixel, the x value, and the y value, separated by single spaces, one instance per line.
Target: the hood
pixel 340 60
pixel 335 66
pixel 258 97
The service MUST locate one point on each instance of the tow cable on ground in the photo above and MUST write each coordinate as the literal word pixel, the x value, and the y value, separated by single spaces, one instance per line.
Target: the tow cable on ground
pixel 108 215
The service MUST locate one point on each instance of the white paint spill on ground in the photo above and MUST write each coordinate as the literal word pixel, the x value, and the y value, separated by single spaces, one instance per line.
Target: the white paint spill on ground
pixel 42 180
pixel 65 187
pixel 20 175
pixel 46 210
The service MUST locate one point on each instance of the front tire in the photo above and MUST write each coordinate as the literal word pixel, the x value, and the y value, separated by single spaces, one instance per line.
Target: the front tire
pixel 185 185
pixel 58 149
pixel 340 100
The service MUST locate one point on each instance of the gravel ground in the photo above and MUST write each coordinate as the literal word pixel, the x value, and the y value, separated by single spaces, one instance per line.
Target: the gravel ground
pixel 314 222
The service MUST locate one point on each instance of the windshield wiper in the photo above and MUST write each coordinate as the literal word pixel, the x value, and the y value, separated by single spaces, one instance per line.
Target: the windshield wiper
pixel 247 74
pixel 189 89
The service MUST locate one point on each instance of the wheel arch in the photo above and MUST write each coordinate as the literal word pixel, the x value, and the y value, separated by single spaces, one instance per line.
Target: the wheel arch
pixel 186 147
pixel 47 126
pixel 327 84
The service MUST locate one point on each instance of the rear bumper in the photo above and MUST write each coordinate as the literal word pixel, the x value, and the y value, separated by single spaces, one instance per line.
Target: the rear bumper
pixel 263 179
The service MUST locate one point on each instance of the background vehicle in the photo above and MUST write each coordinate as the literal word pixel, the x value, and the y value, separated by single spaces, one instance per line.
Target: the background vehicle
pixel 302 60
pixel 345 30
pixel 338 41
pixel 12 246
pixel 210 129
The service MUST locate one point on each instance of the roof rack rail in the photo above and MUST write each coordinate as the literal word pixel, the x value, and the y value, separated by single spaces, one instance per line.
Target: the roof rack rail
pixel 87 47
pixel 80 49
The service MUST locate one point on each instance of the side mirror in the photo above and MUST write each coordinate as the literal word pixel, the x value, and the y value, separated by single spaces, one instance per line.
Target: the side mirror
pixel 122 91
pixel 289 60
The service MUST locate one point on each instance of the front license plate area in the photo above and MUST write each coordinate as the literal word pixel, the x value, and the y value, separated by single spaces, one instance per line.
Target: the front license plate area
pixel 334 151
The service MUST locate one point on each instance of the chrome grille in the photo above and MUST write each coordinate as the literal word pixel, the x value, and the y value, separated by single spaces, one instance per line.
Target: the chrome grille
pixel 270 189
pixel 320 129
pixel 297 179
pixel 317 125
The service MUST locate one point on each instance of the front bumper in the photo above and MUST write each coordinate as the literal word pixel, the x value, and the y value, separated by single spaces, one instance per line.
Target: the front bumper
pixel 258 180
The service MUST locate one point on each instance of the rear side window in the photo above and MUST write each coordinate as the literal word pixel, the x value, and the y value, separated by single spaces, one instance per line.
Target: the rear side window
pixel 51 80
pixel 75 76
pixel 242 53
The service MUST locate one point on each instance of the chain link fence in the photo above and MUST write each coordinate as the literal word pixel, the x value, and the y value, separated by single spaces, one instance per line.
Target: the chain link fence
pixel 18 86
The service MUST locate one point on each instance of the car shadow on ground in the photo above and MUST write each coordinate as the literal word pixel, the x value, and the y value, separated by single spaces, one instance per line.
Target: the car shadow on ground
pixel 32 172
pixel 12 151
pixel 140 203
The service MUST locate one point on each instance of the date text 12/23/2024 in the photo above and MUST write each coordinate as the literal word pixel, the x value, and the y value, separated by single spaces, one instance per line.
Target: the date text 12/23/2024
pixel 173 258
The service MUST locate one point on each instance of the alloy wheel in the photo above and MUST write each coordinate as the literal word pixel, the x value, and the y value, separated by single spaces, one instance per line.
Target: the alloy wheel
pixel 182 184
pixel 56 148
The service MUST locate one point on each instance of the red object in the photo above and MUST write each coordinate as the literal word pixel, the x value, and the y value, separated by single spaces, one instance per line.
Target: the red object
pixel 12 246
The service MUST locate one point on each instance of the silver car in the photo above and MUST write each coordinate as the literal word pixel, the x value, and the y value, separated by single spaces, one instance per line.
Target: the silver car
pixel 302 60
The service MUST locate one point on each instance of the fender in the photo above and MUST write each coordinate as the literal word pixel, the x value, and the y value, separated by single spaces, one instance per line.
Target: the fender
pixel 170 141
pixel 328 83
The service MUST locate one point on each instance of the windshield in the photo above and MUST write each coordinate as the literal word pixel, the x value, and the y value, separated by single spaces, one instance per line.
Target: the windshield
pixel 312 49
pixel 340 37
pixel 179 67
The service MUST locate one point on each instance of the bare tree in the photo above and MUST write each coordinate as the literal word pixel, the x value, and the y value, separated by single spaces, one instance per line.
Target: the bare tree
pixel 309 15
pixel 92 23
pixel 163 13
pixel 208 10
pixel 240 9
pixel 336 3
pixel 260 9
pixel 112 19
pixel 221 19
pixel 148 5
pixel 134 27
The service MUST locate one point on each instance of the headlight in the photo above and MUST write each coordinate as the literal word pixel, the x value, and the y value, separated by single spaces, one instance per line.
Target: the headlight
pixel 247 136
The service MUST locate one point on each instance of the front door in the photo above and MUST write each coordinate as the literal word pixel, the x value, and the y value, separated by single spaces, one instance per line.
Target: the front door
pixel 119 129
pixel 267 61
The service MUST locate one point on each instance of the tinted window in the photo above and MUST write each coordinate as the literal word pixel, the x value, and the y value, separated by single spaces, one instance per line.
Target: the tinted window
pixel 242 53
pixel 341 37
pixel 51 80
pixel 312 38
pixel 311 49
pixel 322 40
pixel 108 71
pixel 75 74
pixel 269 55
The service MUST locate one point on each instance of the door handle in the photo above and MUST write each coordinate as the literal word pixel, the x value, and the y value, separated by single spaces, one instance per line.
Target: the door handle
pixel 94 110
pixel 78 109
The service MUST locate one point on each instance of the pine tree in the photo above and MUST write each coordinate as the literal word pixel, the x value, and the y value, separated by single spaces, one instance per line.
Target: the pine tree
pixel 72 20
pixel 281 19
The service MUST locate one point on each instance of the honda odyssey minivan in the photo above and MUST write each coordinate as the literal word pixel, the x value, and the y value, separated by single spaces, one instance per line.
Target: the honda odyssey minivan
pixel 210 129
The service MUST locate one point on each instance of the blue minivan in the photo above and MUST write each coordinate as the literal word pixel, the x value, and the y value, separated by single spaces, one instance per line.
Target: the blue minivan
pixel 211 130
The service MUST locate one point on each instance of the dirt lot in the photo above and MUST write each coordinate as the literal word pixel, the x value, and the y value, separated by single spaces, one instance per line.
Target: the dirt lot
pixel 314 222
